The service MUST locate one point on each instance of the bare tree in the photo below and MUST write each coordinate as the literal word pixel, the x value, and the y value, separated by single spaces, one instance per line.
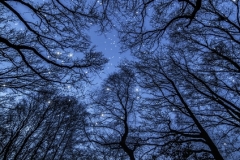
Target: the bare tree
pixel 115 122
pixel 195 45
pixel 42 42
pixel 144 25
pixel 210 72
pixel 171 117
pixel 44 127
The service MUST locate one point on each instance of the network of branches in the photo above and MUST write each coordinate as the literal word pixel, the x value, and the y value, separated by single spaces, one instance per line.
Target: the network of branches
pixel 177 100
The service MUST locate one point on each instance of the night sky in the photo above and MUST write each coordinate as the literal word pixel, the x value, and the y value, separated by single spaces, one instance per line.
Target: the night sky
pixel 108 44
pixel 179 93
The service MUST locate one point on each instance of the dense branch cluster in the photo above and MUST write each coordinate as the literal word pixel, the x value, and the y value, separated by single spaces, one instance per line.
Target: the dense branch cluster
pixel 177 100
pixel 46 42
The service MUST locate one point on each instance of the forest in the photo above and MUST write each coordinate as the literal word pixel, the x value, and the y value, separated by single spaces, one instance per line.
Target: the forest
pixel 176 98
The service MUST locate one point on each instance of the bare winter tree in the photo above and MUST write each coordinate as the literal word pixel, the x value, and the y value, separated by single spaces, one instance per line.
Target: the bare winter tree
pixel 143 25
pixel 196 46
pixel 187 107
pixel 210 72
pixel 44 126
pixel 115 122
pixel 175 118
pixel 188 67
pixel 46 41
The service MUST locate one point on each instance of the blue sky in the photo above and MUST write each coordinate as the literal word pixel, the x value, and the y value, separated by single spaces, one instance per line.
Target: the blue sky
pixel 108 44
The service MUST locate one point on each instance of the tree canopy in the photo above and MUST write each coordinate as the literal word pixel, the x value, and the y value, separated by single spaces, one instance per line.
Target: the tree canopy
pixel 46 41
pixel 178 99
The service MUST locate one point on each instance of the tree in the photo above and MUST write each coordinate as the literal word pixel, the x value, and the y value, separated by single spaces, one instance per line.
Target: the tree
pixel 210 72
pixel 171 114
pixel 187 67
pixel 212 64
pixel 144 25
pixel 115 122
pixel 45 126
pixel 39 40
pixel 189 104
pixel 196 47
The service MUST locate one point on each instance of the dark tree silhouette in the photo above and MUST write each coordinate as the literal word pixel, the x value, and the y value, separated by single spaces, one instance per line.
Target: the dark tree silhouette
pixel 187 67
pixel 196 44
pixel 42 42
pixel 210 71
pixel 192 106
pixel 144 25
pixel 115 122
pixel 44 126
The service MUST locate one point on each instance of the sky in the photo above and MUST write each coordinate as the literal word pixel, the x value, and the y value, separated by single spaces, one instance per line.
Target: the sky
pixel 108 44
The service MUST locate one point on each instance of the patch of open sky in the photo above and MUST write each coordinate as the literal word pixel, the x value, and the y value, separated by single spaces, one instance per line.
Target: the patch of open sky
pixel 108 44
